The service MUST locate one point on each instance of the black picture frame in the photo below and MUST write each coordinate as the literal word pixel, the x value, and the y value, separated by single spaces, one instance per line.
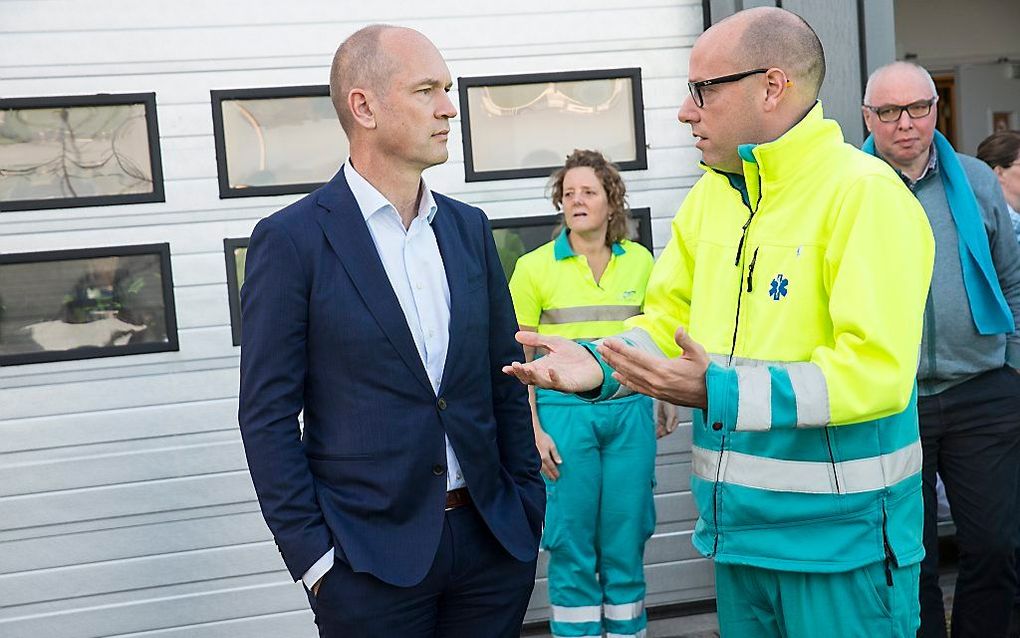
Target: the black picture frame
pixel 471 174
pixel 230 247
pixel 547 223
pixel 148 100
pixel 162 250
pixel 217 98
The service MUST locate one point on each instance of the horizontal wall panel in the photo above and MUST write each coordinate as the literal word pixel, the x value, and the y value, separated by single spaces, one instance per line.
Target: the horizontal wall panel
pixel 291 624
pixel 111 426
pixel 126 462
pixel 166 495
pixel 109 394
pixel 201 348
pixel 314 37
pixel 136 541
pixel 154 609
pixel 127 521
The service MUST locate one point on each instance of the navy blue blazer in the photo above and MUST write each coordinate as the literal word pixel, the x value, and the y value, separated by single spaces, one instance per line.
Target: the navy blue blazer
pixel 322 331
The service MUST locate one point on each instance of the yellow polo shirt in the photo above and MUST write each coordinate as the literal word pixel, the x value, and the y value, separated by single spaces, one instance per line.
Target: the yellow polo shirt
pixel 554 290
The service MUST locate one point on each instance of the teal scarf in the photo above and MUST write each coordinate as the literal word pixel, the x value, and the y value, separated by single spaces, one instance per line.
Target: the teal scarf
pixel 987 304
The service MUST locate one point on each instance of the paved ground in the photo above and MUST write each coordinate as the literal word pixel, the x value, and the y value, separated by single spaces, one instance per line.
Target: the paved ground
pixel 707 626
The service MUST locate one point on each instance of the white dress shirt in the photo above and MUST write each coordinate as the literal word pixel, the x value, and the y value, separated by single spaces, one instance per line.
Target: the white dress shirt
pixel 415 269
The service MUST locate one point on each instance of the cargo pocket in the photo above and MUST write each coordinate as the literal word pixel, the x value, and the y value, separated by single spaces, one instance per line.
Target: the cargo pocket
pixel 874 585
pixel 551 531
pixel 649 514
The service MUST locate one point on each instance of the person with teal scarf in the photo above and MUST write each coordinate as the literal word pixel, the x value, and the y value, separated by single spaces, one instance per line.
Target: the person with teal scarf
pixel 968 384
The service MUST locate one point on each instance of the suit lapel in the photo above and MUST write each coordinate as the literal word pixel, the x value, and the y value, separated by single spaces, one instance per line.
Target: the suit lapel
pixel 451 247
pixel 345 229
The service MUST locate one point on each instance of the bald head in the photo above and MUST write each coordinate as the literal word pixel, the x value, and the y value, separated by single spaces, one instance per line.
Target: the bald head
pixel 363 62
pixel 901 74
pixel 770 37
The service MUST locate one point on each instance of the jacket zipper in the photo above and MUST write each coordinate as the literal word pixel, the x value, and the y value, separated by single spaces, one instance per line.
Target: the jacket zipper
pixel 832 458
pixel 733 347
pixel 889 555
pixel 736 262
pixel 715 498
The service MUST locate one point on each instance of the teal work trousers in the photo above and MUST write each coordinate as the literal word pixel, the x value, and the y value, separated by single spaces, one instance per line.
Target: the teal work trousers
pixel 762 603
pixel 599 514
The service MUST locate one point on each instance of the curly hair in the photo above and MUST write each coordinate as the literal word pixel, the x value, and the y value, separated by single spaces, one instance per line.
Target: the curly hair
pixel 612 184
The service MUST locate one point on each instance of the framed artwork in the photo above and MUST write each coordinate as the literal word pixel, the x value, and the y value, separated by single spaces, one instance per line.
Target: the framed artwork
pixel 276 141
pixel 1001 121
pixel 525 125
pixel 82 150
pixel 81 304
pixel 234 251
pixel 516 236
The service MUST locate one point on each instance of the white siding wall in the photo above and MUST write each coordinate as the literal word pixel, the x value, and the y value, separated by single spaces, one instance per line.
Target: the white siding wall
pixel 126 508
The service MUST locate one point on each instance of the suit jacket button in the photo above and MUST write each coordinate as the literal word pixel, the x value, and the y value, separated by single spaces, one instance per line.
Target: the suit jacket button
pixel 717 426
pixel 441 403
pixel 438 470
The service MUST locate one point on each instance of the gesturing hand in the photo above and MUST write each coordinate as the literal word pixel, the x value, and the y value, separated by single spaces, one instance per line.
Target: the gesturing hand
pixel 568 367
pixel 680 381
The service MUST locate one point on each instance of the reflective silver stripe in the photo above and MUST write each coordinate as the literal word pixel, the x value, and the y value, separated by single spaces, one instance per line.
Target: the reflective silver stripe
pixel 809 387
pixel 754 403
pixel 724 361
pixel 628 611
pixel 807 477
pixel 640 634
pixel 577 614
pixel 588 313
pixel 812 392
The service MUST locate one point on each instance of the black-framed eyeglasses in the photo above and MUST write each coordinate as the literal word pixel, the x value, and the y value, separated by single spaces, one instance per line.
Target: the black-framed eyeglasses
pixel 893 112
pixel 695 87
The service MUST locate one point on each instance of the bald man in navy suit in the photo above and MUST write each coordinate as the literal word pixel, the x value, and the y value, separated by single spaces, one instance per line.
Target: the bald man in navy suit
pixel 412 503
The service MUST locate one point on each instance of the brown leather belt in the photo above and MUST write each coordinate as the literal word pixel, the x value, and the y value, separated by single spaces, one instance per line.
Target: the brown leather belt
pixel 457 498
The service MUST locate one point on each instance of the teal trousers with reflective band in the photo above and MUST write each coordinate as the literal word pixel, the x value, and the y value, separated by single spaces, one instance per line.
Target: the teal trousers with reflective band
pixel 760 603
pixel 599 514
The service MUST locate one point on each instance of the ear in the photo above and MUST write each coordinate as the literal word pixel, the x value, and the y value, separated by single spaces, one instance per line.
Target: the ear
pixel 866 114
pixel 776 86
pixel 359 101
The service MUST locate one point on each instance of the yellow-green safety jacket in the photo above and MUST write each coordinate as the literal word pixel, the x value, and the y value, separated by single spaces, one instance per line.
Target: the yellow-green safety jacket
pixel 809 299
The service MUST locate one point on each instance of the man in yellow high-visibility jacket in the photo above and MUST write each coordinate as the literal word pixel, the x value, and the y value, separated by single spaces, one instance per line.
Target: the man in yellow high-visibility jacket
pixel 797 273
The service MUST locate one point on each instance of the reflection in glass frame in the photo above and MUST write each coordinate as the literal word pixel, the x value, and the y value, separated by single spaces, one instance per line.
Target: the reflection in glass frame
pixel 80 150
pixel 519 235
pixel 82 304
pixel 276 141
pixel 234 251
pixel 517 126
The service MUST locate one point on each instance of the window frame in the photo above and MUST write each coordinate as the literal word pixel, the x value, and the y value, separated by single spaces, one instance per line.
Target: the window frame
pixel 640 161
pixel 94 352
pixel 230 245
pixel 217 97
pixel 148 100
pixel 642 214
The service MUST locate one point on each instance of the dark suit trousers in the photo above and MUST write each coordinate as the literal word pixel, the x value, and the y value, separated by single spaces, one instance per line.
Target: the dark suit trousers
pixel 970 434
pixel 474 588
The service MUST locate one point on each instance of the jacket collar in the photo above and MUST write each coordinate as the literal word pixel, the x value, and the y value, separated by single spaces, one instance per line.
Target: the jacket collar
pixel 343 224
pixel 562 249
pixel 804 146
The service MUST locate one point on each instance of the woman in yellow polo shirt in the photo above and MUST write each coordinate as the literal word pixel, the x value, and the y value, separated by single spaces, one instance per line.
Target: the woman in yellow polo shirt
pixel 598 459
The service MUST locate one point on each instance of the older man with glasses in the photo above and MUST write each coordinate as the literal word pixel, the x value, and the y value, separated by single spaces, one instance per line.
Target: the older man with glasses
pixel 969 388
pixel 787 309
